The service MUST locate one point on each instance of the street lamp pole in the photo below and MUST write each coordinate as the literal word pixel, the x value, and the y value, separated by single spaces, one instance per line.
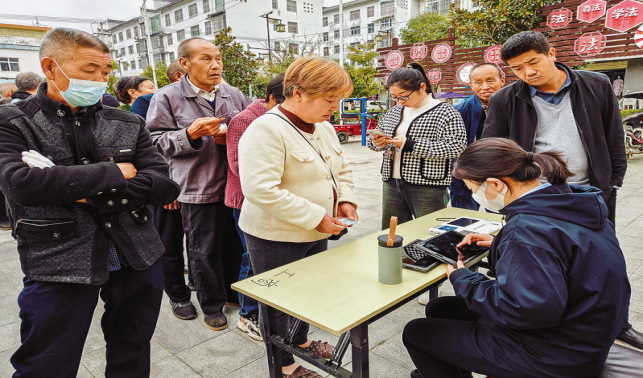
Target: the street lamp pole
pixel 268 31
pixel 148 41
pixel 341 34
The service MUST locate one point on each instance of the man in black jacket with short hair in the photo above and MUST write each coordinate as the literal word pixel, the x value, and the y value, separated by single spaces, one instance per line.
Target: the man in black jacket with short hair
pixel 555 108
pixel 81 180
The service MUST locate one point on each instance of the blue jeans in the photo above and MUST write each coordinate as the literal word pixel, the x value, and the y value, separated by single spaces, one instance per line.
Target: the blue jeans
pixel 408 202
pixel 249 306
pixel 463 202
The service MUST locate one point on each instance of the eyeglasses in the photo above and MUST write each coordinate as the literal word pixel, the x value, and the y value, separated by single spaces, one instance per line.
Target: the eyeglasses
pixel 401 98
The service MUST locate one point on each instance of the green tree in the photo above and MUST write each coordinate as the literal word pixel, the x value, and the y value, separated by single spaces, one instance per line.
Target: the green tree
pixel 161 74
pixel 497 20
pixel 425 27
pixel 111 83
pixel 239 65
pixel 363 74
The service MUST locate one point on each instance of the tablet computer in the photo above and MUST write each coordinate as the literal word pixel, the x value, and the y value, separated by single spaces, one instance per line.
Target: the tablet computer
pixel 444 248
pixel 417 259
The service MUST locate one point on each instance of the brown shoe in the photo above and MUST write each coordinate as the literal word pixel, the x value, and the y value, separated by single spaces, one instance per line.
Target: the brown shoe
pixel 323 350
pixel 302 372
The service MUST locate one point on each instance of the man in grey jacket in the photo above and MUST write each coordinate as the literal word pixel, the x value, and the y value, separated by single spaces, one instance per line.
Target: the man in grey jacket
pixel 80 180
pixel 186 121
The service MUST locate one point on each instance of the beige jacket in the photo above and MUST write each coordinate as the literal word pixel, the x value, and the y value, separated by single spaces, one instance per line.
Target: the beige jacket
pixel 288 188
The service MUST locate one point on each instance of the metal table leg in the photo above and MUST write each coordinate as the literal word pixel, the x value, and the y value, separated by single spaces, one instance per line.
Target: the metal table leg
pixel 359 340
pixel 433 292
pixel 269 317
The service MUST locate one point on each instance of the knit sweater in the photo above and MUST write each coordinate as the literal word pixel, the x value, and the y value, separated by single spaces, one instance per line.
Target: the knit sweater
pixel 288 188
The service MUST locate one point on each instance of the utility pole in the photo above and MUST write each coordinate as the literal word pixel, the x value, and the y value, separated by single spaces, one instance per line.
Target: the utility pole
pixel 341 34
pixel 148 41
pixel 268 31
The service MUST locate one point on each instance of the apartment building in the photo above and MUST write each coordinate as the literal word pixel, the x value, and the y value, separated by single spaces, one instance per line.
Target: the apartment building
pixel 365 19
pixel 170 23
pixel 20 49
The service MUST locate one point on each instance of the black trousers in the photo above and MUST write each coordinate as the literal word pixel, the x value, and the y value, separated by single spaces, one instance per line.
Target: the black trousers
pixel 214 252
pixel 267 255
pixel 443 345
pixel 56 318
pixel 611 207
pixel 169 224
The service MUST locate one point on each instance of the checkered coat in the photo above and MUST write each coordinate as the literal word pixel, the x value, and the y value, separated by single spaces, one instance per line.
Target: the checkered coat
pixel 433 139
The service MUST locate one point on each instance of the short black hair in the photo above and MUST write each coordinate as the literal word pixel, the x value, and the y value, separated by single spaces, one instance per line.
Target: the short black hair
pixel 408 79
pixel 124 84
pixel 276 88
pixel 485 64
pixel 523 42
pixel 28 81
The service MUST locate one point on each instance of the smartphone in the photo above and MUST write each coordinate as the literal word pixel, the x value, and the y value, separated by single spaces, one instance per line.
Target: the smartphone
pixel 376 132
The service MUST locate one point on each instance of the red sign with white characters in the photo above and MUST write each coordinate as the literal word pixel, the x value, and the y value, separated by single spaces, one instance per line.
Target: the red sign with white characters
pixel 590 44
pixel 441 53
pixel 492 54
pixel 624 16
pixel 394 60
pixel 434 75
pixel 559 18
pixel 419 51
pixel 591 10
pixel 463 73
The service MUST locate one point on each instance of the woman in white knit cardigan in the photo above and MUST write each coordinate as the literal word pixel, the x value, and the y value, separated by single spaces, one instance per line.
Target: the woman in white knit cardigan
pixel 296 182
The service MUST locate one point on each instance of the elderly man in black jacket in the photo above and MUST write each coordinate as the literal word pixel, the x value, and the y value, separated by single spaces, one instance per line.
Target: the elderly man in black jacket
pixel 555 108
pixel 80 180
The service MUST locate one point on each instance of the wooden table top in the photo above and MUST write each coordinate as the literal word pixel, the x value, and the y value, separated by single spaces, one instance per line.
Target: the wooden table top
pixel 338 289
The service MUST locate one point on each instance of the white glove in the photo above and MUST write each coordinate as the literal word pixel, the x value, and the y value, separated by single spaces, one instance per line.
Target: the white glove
pixel 35 159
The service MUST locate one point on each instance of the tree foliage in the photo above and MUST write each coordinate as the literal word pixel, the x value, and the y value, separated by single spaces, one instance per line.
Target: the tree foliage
pixel 363 74
pixel 239 65
pixel 161 74
pixel 497 20
pixel 425 27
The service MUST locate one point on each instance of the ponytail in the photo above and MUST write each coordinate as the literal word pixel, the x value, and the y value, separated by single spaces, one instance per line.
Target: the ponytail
pixel 499 157
pixel 418 67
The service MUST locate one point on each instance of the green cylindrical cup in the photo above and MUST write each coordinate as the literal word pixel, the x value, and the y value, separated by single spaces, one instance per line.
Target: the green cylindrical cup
pixel 390 260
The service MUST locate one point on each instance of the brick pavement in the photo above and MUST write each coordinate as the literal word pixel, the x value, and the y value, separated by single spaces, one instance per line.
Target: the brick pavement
pixel 185 349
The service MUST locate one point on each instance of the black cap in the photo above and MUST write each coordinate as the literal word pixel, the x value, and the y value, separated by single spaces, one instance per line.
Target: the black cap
pixel 382 240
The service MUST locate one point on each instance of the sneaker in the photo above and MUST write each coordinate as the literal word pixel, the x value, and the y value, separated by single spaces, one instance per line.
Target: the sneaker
pixel 216 321
pixel 5 225
pixel 183 310
pixel 302 372
pixel 416 374
pixel 250 326
pixel 423 299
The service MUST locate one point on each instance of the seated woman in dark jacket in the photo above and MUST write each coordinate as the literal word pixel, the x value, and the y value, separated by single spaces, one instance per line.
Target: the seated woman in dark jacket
pixel 561 294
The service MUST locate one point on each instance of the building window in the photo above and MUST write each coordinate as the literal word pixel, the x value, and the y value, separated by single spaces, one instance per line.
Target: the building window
pixel 206 6
pixel 180 35
pixel 178 15
pixel 130 49
pixel 325 51
pixel 140 47
pixel 168 19
pixel 195 31
pixel 120 37
pixel 370 42
pixel 218 23
pixel 371 28
pixel 336 19
pixel 125 66
pixel 355 15
pixel 354 45
pixel 275 4
pixel 157 42
pixel 143 63
pixel 133 64
pixel 114 38
pixel 135 31
pixel 208 27
pixel 336 34
pixel 325 21
pixel 293 48
pixel 277 46
pixel 292 27
pixel 158 58
pixel 291 6
pixel 170 41
pixel 219 6
pixel 388 9
pixel 442 6
pixel 336 49
pixel 9 64
pixel 385 24
pixel 122 52
pixel 325 36
pixel 155 23
pixel 370 11
pixel 171 56
pixel 354 30
pixel 128 33
pixel 192 11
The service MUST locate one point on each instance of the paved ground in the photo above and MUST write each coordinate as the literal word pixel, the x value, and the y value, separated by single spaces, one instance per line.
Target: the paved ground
pixel 185 349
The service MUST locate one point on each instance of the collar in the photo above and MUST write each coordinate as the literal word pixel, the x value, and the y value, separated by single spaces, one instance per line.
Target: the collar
pixel 53 107
pixel 210 96
pixel 539 187
pixel 568 81
pixel 300 123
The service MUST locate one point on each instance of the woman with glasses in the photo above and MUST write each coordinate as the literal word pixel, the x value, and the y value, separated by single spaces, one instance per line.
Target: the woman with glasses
pixel 420 137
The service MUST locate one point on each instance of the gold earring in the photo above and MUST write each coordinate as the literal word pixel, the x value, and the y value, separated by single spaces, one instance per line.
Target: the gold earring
pixel 297 100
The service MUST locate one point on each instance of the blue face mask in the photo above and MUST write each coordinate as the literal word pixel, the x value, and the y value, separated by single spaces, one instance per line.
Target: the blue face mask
pixel 82 92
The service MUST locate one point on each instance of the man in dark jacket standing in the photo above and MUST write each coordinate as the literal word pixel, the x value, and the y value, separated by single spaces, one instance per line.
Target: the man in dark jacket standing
pixel 485 80
pixel 80 179
pixel 555 108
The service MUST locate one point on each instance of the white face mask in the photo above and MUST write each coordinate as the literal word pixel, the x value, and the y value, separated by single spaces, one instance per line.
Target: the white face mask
pixel 495 204
pixel 81 92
